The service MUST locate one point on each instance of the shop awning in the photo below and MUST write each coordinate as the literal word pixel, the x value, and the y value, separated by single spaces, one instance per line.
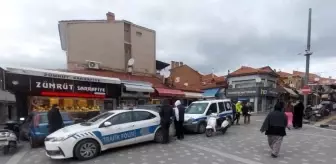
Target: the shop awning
pixel 210 92
pixel 6 96
pixel 291 92
pixel 62 75
pixel 138 88
pixel 193 95
pixel 169 92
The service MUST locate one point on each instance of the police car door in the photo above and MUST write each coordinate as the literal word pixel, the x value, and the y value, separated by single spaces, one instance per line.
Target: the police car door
pixel 146 123
pixel 120 133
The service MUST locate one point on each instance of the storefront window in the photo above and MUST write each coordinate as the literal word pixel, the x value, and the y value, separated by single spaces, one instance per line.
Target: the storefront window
pixel 43 104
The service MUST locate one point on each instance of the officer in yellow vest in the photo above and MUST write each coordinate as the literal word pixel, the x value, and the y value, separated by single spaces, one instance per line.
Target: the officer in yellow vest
pixel 239 107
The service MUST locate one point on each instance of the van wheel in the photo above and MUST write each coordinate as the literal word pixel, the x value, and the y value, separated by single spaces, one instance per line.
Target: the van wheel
pixel 229 119
pixel 33 142
pixel 86 149
pixel 159 136
pixel 201 128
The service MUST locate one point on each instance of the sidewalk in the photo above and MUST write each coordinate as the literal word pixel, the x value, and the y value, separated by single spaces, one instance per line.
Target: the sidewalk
pixel 330 122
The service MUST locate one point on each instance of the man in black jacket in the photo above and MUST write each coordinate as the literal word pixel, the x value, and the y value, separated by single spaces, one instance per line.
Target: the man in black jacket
pixel 179 111
pixel 55 119
pixel 166 113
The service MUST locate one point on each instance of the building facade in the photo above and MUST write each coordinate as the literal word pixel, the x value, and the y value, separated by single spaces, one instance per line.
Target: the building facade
pixel 254 85
pixel 108 44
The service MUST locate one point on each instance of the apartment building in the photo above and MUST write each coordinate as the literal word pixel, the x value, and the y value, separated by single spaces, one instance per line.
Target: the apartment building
pixel 108 44
pixel 291 80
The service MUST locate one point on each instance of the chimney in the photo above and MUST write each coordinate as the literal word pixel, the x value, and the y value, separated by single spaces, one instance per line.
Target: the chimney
pixel 181 63
pixel 110 17
pixel 172 64
pixel 330 77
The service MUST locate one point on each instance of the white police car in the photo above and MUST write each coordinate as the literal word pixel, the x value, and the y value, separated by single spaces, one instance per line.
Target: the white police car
pixel 108 130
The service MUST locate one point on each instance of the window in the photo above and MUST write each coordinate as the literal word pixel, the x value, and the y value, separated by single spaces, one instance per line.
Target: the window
pixel 212 109
pixel 139 33
pixel 228 106
pixel 196 108
pixel 221 107
pixel 100 117
pixel 121 118
pixel 142 115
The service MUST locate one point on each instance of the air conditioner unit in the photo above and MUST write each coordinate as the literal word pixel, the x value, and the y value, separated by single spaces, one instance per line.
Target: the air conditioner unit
pixel 93 64
pixel 291 85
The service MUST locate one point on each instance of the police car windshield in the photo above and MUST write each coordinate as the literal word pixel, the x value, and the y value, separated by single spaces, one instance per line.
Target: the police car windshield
pixel 196 108
pixel 100 117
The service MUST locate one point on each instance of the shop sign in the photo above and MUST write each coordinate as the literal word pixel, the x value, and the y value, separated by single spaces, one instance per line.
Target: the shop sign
pixel 268 92
pixel 65 85
pixel 236 92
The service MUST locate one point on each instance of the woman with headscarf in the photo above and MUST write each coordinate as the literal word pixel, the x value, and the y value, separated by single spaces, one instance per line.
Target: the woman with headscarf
pixel 298 115
pixel 275 127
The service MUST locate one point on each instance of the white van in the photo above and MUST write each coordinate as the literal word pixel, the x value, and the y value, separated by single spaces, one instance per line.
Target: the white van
pixel 197 112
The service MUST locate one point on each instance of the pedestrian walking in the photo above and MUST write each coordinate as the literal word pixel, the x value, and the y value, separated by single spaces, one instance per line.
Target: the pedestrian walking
pixel 289 113
pixel 234 113
pixel 298 115
pixel 247 113
pixel 166 113
pixel 239 107
pixel 179 111
pixel 274 127
pixel 55 119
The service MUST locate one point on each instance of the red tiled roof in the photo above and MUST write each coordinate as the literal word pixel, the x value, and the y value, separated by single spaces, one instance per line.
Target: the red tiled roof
pixel 284 74
pixel 157 83
pixel 251 71
pixel 209 76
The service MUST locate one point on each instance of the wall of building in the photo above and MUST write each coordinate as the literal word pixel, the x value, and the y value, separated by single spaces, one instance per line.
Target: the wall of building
pixel 105 43
pixel 143 49
pixel 185 74
pixel 250 81
pixel 101 42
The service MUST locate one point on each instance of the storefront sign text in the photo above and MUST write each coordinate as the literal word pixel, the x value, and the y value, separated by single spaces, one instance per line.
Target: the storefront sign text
pixel 67 87
pixel 71 77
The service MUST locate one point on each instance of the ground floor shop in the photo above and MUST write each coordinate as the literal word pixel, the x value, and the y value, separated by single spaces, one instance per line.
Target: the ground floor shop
pixel 191 97
pixel 214 93
pixel 135 93
pixel 83 96
pixel 171 95
pixel 263 99
pixel 7 106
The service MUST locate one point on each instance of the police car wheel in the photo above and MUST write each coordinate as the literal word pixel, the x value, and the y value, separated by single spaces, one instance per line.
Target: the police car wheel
pixel 201 128
pixel 86 149
pixel 230 121
pixel 158 136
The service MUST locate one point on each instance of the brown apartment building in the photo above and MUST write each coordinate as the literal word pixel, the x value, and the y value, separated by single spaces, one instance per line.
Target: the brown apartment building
pixel 108 44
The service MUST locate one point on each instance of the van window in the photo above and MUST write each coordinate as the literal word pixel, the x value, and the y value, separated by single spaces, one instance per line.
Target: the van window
pixel 196 108
pixel 228 106
pixel 221 107
pixel 212 109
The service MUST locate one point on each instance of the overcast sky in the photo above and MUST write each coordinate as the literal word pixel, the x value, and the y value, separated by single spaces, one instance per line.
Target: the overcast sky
pixel 205 34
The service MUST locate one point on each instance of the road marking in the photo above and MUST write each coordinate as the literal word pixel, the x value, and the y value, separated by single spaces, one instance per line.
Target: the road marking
pixel 230 156
pixel 15 159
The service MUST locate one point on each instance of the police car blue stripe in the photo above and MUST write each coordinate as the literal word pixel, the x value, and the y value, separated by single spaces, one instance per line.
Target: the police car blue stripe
pixel 116 137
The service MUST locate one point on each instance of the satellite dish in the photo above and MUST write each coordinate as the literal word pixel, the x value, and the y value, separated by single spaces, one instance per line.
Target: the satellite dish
pixel 166 74
pixel 258 80
pixel 317 79
pixel 130 62
pixel 186 84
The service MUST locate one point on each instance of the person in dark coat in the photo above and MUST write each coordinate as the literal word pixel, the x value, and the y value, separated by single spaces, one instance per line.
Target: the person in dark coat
pixel 275 127
pixel 166 113
pixel 247 108
pixel 179 111
pixel 298 115
pixel 55 119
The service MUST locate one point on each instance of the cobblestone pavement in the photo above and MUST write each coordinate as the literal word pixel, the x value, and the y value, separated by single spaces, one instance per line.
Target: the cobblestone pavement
pixel 242 144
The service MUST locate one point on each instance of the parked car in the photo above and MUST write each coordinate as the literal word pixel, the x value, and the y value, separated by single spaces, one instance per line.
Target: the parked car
pixel 196 114
pixel 157 108
pixel 35 127
pixel 108 130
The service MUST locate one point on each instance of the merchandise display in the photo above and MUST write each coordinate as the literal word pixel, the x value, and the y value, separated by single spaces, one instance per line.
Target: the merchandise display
pixel 43 104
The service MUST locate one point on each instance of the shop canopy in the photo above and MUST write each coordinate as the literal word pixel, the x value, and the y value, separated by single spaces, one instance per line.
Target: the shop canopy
pixel 208 93
pixel 61 75
pixel 6 96
pixel 291 92
pixel 193 95
pixel 137 86
pixel 169 92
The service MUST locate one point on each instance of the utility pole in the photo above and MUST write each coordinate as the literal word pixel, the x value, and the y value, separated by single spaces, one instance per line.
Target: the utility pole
pixel 308 53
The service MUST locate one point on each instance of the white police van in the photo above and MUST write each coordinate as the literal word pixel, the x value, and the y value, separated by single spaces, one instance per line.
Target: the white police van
pixel 197 112
pixel 108 130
